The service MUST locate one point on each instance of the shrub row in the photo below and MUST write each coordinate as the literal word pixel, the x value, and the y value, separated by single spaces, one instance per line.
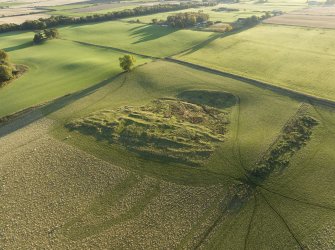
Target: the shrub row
pixel 294 137
pixel 54 21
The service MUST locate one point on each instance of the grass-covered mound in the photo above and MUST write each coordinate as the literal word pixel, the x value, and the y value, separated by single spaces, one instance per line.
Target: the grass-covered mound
pixel 295 135
pixel 169 129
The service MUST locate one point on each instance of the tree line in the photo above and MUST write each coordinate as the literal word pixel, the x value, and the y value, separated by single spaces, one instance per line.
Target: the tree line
pixel 7 69
pixel 250 21
pixel 54 21
pixel 187 19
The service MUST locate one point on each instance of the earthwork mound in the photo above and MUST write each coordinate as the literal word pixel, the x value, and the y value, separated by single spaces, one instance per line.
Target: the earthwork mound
pixel 185 131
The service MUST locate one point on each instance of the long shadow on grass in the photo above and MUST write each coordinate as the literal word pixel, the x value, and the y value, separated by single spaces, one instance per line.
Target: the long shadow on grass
pixel 19 47
pixel 11 123
pixel 209 40
pixel 151 32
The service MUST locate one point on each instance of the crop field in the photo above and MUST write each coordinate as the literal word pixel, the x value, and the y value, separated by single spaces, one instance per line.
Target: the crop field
pixel 209 141
pixel 22 19
pixel 286 6
pixel 85 9
pixel 313 17
pixel 138 38
pixel 279 55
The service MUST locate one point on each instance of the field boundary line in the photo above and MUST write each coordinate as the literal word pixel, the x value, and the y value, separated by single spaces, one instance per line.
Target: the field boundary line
pixel 113 48
pixel 298 25
pixel 297 200
pixel 257 83
pixel 250 223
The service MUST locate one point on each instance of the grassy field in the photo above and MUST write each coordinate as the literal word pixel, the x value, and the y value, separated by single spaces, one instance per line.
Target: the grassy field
pixel 173 204
pixel 140 38
pixel 297 58
pixel 52 72
pixel 167 156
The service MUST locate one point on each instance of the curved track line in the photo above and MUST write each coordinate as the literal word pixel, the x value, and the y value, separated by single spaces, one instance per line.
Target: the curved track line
pixel 283 220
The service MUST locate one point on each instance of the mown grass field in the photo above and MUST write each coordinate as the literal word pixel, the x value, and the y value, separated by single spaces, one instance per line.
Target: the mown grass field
pixel 140 38
pixel 56 68
pixel 293 57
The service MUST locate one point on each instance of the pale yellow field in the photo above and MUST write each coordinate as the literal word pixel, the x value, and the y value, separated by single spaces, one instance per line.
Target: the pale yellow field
pixel 56 196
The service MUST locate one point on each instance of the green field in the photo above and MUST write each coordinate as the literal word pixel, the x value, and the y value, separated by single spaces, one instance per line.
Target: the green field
pixel 169 155
pixel 292 207
pixel 56 68
pixel 140 38
pixel 296 58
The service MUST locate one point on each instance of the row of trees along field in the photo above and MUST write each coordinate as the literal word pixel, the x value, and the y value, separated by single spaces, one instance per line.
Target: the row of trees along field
pixel 53 21
pixel 188 19
pixel 191 19
pixel 6 68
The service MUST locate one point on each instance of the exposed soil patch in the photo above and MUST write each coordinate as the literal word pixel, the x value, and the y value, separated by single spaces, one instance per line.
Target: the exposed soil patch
pixel 166 129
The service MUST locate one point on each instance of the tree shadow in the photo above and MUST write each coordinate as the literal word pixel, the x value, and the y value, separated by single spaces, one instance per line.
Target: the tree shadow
pixel 151 32
pixel 211 39
pixel 11 123
pixel 19 47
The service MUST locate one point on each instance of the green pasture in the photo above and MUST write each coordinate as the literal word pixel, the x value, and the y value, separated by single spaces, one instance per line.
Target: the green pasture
pixel 292 57
pixel 283 208
pixel 139 38
pixel 56 68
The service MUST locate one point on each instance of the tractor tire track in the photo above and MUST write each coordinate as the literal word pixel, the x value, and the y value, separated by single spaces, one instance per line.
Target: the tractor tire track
pixel 250 223
pixel 298 200
pixel 237 144
pixel 283 221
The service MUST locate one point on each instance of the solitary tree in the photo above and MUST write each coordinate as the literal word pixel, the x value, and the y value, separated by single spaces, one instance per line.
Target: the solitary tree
pixel 6 68
pixel 3 56
pixel 127 62
pixel 44 35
